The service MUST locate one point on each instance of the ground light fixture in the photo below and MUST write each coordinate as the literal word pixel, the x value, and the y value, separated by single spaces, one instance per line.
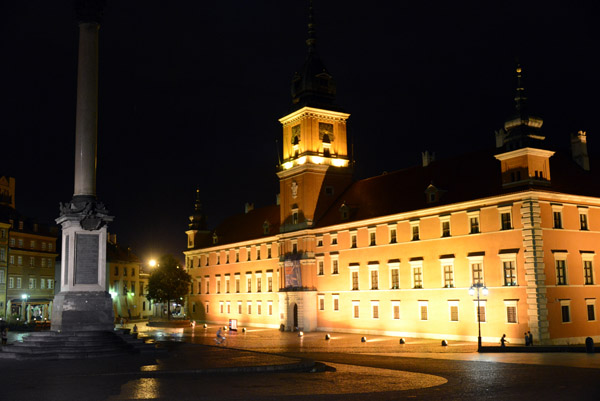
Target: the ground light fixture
pixel 477 287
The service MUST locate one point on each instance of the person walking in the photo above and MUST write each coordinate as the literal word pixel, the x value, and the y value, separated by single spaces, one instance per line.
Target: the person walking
pixel 503 341
pixel 530 338
pixel 526 339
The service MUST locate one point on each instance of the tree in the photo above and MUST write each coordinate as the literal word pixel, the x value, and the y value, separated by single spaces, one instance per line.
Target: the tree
pixel 168 282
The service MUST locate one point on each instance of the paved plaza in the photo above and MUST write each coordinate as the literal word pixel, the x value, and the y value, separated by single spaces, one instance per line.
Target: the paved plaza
pixel 269 364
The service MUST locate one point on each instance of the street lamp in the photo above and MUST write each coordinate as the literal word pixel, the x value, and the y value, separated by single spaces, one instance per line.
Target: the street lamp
pixel 23 306
pixel 484 291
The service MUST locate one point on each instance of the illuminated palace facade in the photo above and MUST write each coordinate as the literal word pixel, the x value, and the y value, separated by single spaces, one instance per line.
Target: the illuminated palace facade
pixel 397 254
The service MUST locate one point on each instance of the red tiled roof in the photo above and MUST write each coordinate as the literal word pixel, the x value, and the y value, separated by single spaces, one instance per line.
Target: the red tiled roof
pixel 247 226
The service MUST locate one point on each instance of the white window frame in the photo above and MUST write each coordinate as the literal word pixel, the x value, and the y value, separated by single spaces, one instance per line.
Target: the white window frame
pixel 319 241
pixel 355 304
pixel 19 282
pixel 421 305
pixel 561 256
pixel 333 239
pixel 413 224
pixel 509 257
pixel 335 258
pixel 591 301
pixel 452 304
pixel 374 306
pixel 353 234
pixel 473 260
pixel 503 210
pixel 393 266
pixel 354 268
pixel 511 303
pixel 474 215
pixel 447 262
pixel 373 268
pixel 394 305
pixel 372 232
pixel 393 227
pixel 334 298
pixel 445 219
pixel 413 265
pixel 588 257
pixel 583 211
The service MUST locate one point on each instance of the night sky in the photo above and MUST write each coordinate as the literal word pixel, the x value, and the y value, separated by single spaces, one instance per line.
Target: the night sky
pixel 191 93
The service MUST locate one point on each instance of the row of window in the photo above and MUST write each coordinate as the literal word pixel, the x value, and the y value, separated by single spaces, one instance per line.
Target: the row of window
pixel 508 260
pixel 16 282
pixel 20 243
pixel 124 271
pixel 225 307
pixel 43 262
pixel 204 260
pixel 127 287
pixel 236 283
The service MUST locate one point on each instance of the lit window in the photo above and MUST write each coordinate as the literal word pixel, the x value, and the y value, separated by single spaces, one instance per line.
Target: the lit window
pixel 474 223
pixel 394 269
pixel 334 265
pixel 417 273
pixel 354 276
pixel 374 276
pixel 448 275
pixel 510 272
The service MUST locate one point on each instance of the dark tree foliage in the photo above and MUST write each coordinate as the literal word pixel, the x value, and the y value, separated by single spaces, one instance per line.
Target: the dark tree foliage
pixel 168 282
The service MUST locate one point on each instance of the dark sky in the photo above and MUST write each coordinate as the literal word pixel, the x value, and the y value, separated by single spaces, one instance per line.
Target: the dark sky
pixel 191 93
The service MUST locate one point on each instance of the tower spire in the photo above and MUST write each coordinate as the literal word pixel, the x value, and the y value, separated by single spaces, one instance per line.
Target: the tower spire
pixel 520 97
pixel 311 42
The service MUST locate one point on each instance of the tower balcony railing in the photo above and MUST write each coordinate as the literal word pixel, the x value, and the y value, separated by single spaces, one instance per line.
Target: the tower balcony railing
pixel 314 158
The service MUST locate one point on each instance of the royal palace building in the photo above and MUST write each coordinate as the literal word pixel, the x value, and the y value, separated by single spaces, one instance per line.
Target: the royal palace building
pixel 507 237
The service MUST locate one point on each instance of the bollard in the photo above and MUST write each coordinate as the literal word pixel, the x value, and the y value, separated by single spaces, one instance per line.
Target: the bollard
pixel 444 343
pixel 363 339
pixel 327 336
pixel 205 325
pixel 243 330
pixel 402 341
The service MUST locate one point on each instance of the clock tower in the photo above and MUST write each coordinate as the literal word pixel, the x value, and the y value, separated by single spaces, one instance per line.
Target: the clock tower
pixel 316 167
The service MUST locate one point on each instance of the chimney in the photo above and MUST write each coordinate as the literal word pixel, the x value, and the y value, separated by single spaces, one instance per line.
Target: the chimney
pixel 249 207
pixel 427 158
pixel 579 150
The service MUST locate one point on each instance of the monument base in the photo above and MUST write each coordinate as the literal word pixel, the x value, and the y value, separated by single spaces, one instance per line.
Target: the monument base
pixel 82 311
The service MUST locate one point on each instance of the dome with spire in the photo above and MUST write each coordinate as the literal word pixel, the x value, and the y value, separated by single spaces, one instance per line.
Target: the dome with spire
pixel 313 85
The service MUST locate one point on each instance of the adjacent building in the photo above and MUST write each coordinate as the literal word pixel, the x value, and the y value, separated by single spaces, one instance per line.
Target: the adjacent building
pixel 399 253
pixel 128 282
pixel 27 260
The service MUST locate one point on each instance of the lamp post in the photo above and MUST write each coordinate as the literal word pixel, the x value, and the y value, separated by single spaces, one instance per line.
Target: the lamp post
pixel 484 291
pixel 23 306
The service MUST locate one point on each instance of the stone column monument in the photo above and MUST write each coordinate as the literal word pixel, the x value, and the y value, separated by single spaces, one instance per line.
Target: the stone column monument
pixel 83 303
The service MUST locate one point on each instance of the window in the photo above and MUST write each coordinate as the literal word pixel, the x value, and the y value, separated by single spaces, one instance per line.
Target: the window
pixel 259 307
pixel 375 309
pixel 3 254
pixel 12 242
pixel 511 311
pixel 207 286
pixel 393 238
pixel 248 253
pixel 473 222
pixel 396 310
pixel 334 265
pixel 356 309
pixel 414 226
pixel 49 246
pixel 125 284
pixel 270 308
pixel 116 270
pixel 237 256
pixel 248 283
pixel 423 310
pixel 31 283
pixel 133 288
pixel 218 285
pixel 480 312
pixel 583 219
pixel 561 272
pixel 249 307
pixel 294 216
pixel 374 275
pixel 20 260
pixel 354 276
pixel 228 307
pixel 588 268
pixel 448 275
pixel 32 244
pixel 199 287
pixel 320 267
pixel 453 309
pixel 221 307
pixel 227 284
pixel 476 264
pixel 31 261
pixel 2 277
pixel 237 283
pixel 142 288
pixel 353 240
pixel 394 275
pixel 321 302
pixel 257 253
pixel 557 216
pixel 20 242
pixel 269 255
pixel 207 308
pixel 333 239
pixel 417 273
pixel 11 282
pixel 590 305
pixel 125 272
pixel 510 272
pixel 445 220
pixel 43 246
pixel 269 282
pixel 258 284
pixel 294 247
pixel 372 237
pixel 320 241
pixel 565 310
pixel 336 302
pixel 11 259
pixel 505 217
